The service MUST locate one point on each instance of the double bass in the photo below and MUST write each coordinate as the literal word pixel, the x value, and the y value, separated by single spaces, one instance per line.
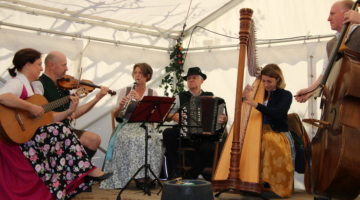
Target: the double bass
pixel 333 169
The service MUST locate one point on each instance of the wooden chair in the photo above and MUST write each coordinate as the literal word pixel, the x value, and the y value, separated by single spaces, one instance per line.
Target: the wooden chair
pixel 301 142
pixel 113 119
pixel 296 125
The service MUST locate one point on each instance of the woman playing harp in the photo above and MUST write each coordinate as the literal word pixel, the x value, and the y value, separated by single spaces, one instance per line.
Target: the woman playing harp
pixel 277 165
pixel 239 165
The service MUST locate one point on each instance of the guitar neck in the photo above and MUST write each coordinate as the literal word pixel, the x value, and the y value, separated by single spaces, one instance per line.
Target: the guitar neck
pixel 51 106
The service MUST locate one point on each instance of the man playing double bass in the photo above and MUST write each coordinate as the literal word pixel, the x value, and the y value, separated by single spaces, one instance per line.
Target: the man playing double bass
pixel 332 160
pixel 340 14
pixel 204 148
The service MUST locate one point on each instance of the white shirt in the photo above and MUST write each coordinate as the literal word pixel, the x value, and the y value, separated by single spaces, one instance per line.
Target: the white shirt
pixel 122 94
pixel 15 86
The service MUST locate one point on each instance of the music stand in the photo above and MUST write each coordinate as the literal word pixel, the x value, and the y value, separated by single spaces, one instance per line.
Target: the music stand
pixel 150 109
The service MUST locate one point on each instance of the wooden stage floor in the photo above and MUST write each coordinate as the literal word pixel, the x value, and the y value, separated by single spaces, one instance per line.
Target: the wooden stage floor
pixel 132 193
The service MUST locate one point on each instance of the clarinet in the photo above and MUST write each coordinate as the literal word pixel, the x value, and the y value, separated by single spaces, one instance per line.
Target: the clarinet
pixel 126 105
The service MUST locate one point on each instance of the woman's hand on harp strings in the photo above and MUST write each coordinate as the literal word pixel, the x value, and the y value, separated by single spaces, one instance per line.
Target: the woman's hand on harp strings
pixel 247 96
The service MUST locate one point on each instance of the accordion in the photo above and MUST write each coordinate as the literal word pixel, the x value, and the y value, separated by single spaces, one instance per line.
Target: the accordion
pixel 201 118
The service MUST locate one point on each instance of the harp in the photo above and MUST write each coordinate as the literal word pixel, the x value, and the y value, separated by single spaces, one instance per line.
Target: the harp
pixel 239 164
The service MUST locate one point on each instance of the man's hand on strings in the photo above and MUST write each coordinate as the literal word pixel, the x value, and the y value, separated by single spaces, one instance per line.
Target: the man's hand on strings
pixel 222 119
pixel 73 103
pixel 103 91
pixel 351 16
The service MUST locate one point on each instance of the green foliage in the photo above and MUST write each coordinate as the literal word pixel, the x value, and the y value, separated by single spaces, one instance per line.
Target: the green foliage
pixel 173 83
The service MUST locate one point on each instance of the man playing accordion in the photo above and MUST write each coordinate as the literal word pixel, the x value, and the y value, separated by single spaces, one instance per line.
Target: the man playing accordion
pixel 204 148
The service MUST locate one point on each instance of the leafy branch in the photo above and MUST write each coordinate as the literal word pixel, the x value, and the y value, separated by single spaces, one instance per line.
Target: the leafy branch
pixel 173 82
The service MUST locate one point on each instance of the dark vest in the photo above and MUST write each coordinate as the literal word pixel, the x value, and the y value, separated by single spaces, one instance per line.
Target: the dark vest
pixel 330 45
pixel 185 96
pixel 353 42
pixel 52 93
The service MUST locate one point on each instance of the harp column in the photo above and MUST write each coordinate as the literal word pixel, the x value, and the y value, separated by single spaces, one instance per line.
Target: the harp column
pixel 245 23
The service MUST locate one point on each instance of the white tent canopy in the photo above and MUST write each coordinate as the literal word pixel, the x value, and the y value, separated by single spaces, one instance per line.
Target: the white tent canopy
pixel 105 38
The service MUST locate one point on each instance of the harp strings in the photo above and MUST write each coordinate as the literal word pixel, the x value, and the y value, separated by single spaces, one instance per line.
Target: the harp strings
pixel 252 72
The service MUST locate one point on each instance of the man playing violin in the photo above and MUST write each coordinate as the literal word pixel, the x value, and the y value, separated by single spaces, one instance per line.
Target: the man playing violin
pixel 55 68
pixel 340 14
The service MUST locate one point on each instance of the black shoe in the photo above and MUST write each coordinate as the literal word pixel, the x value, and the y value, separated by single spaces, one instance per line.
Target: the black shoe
pixel 140 185
pixel 265 185
pixel 152 184
pixel 99 178
pixel 89 189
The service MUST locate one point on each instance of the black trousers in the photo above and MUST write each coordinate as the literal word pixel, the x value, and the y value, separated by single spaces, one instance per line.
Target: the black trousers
pixel 204 152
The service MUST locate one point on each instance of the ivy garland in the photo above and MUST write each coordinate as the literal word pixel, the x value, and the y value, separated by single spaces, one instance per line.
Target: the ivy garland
pixel 176 69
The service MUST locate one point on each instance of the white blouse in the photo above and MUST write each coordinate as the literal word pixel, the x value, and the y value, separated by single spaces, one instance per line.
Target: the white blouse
pixel 15 86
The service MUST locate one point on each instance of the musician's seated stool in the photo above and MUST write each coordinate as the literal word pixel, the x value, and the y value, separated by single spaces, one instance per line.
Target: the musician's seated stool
pixel 301 141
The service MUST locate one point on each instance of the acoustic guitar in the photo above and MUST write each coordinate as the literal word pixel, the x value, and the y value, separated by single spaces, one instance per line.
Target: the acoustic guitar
pixel 18 126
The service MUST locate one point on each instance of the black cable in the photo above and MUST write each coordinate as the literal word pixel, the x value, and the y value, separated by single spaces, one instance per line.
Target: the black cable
pixel 256 40
pixel 189 44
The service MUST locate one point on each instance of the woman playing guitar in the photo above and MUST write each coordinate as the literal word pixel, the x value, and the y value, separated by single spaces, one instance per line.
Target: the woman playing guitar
pixel 53 163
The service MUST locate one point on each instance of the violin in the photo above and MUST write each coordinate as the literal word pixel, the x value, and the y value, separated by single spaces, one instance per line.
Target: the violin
pixel 69 82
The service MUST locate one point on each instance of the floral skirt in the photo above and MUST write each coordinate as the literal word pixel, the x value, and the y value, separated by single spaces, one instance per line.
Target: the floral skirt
pixel 276 162
pixel 129 155
pixel 59 160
